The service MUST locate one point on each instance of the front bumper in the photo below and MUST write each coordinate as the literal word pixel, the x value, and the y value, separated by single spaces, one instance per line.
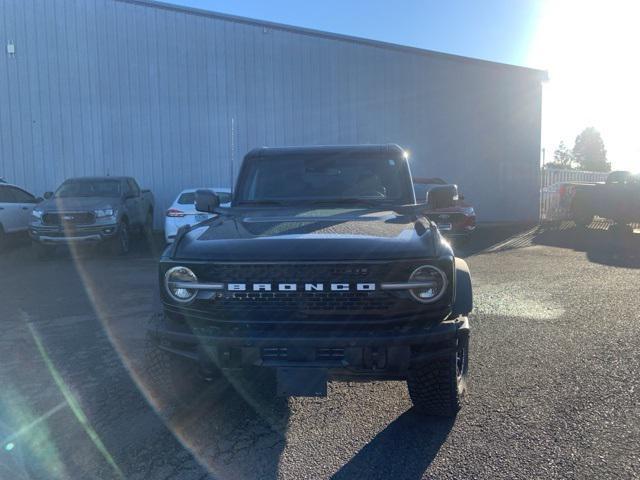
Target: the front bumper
pixel 383 355
pixel 54 235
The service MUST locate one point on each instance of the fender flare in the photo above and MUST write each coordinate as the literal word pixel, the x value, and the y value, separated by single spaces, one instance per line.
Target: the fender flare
pixel 463 303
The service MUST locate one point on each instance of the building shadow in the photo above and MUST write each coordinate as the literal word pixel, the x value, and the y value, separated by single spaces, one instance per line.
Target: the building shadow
pixel 404 449
pixel 602 242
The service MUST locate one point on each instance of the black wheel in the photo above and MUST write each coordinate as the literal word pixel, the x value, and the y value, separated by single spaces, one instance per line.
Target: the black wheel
pixel 438 387
pixel 120 245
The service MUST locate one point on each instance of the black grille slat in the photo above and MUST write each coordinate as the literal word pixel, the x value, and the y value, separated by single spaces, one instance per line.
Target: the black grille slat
pixel 77 218
pixel 274 306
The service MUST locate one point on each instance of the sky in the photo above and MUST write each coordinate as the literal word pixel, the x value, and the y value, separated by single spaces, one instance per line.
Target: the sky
pixel 589 47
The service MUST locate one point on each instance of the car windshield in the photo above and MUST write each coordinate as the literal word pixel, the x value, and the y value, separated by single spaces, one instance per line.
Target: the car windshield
pixel 319 178
pixel 89 188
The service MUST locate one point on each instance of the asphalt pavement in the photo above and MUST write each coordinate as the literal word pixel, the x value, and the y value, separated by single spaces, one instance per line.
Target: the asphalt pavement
pixel 554 378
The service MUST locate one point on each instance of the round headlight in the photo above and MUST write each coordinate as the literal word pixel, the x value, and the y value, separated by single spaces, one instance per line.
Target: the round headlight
pixel 176 282
pixel 433 284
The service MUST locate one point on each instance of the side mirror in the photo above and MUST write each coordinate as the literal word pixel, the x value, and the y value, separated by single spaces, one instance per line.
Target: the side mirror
pixel 39 200
pixel 443 196
pixel 48 195
pixel 207 201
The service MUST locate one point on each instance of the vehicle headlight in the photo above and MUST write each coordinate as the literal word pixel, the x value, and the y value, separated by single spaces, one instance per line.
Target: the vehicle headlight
pixel 105 212
pixel 433 284
pixel 36 214
pixel 177 280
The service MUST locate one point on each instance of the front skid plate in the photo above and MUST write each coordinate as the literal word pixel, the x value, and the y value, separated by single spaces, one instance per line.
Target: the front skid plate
pixel 301 382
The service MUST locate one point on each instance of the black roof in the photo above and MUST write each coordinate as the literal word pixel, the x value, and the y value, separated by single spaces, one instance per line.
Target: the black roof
pixel 97 178
pixel 329 150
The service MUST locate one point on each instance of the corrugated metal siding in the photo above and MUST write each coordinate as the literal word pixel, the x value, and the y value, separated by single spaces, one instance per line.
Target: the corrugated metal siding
pixel 101 86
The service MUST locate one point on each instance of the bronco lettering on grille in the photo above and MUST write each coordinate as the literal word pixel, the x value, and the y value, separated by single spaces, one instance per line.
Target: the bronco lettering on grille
pixel 307 287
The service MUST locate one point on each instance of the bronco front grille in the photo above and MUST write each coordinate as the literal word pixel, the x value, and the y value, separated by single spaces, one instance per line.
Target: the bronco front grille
pixel 275 306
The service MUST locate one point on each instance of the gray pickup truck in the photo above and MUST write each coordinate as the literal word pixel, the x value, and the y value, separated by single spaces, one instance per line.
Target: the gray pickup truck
pixel 92 210
pixel 617 199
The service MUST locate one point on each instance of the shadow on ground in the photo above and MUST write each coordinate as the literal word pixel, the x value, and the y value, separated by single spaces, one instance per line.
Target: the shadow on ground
pixel 488 237
pixel 602 242
pixel 404 449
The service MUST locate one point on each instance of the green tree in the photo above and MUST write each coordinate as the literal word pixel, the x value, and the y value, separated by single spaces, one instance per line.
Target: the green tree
pixel 562 158
pixel 589 152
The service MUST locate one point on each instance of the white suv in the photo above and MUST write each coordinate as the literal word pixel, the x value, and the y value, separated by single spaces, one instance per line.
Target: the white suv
pixel 183 211
pixel 16 205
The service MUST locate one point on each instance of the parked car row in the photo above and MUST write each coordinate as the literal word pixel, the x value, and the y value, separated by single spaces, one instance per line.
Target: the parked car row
pixel 108 210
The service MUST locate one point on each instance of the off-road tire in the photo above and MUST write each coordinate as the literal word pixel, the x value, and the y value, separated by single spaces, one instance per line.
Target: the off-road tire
pixel 121 243
pixel 437 387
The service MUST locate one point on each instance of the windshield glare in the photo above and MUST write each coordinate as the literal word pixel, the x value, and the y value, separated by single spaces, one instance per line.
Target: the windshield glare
pixel 318 178
pixel 85 188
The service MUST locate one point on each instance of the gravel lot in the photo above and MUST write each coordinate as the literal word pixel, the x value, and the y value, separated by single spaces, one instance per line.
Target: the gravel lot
pixel 554 379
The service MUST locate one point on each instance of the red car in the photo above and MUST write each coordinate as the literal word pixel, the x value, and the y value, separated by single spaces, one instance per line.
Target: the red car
pixel 446 207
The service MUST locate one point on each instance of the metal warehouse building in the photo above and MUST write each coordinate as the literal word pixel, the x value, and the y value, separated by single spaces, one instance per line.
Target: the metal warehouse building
pixel 176 96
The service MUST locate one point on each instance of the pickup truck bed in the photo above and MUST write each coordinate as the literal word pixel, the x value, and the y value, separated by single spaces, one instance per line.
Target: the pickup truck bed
pixel 617 199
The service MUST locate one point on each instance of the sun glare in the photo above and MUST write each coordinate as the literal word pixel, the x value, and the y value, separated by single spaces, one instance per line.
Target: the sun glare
pixel 590 49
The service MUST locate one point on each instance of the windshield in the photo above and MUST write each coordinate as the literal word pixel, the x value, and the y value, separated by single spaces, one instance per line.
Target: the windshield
pixel 320 179
pixel 89 188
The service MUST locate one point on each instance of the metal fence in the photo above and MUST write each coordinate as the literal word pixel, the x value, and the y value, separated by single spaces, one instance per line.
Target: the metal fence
pixel 554 197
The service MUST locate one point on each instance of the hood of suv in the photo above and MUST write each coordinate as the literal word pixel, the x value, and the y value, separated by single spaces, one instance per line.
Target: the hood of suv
pixel 269 234
pixel 77 204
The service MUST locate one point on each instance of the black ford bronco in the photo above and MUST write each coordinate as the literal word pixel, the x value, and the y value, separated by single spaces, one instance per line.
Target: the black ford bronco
pixel 322 268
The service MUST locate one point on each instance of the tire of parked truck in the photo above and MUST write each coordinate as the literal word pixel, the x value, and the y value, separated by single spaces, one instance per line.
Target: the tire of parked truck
pixel 437 387
pixel 120 244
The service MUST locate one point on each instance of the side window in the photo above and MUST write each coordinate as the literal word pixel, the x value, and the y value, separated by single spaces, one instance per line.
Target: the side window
pixel 20 196
pixel 6 196
pixel 132 187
